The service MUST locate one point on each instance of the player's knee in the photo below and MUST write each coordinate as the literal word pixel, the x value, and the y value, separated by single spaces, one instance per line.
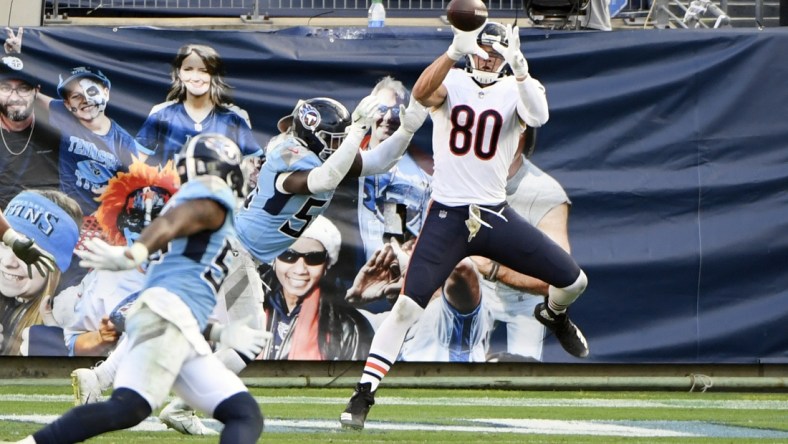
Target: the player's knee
pixel 579 285
pixel 241 408
pixel 128 408
pixel 567 295
pixel 406 310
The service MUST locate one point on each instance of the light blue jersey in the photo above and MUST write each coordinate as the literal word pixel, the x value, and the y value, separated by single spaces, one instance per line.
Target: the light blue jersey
pixel 270 221
pixel 194 267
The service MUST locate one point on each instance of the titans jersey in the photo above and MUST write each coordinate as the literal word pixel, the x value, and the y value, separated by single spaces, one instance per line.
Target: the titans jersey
pixel 474 139
pixel 87 160
pixel 270 221
pixel 194 267
pixel 169 126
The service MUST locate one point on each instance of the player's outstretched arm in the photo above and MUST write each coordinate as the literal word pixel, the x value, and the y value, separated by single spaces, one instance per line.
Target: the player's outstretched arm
pixel 532 92
pixel 429 89
pixel 390 151
pixel 184 220
pixel 327 176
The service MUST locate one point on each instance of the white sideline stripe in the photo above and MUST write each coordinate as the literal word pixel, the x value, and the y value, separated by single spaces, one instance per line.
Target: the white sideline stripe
pixel 487 402
pixel 519 426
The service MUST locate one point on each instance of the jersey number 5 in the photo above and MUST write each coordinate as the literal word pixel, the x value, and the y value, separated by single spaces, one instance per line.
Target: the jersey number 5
pixel 217 271
pixel 469 131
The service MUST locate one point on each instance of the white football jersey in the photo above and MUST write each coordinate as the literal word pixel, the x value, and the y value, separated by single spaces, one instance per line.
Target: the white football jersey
pixel 475 136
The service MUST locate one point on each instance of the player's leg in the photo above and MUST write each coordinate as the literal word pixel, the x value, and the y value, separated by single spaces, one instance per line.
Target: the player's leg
pixel 180 416
pixel 206 384
pixel 89 383
pixel 440 246
pixel 144 378
pixel 519 245
pixel 240 297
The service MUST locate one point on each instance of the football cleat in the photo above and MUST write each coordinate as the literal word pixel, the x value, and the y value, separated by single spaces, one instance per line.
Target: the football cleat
pixel 180 417
pixel 358 406
pixel 85 383
pixel 567 333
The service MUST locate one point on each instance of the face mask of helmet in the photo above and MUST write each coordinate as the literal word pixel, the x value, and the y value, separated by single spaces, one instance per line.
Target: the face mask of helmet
pixel 321 125
pixel 493 32
pixel 142 206
pixel 212 155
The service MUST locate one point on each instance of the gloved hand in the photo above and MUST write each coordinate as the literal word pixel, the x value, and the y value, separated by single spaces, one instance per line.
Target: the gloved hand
pixel 240 337
pixel 364 115
pixel 512 54
pixel 103 256
pixel 465 43
pixel 412 117
pixel 30 253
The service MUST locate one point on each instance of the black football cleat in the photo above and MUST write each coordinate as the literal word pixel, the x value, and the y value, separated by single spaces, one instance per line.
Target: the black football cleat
pixel 567 333
pixel 358 406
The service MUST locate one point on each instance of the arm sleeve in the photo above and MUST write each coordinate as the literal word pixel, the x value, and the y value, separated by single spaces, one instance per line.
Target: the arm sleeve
pixel 326 177
pixel 384 156
pixel 533 102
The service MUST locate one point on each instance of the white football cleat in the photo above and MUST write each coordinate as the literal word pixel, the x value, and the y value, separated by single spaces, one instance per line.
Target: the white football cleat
pixel 177 415
pixel 87 389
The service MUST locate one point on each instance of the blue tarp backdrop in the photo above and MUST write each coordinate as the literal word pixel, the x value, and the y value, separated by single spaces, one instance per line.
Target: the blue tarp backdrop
pixel 672 145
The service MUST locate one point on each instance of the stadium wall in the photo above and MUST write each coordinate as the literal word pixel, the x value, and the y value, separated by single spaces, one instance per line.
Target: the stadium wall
pixel 671 145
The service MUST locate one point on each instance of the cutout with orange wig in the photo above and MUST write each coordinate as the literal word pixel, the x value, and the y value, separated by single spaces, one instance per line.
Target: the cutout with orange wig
pixel 132 199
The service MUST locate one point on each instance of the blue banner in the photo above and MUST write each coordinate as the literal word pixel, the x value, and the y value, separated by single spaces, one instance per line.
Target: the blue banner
pixel 671 146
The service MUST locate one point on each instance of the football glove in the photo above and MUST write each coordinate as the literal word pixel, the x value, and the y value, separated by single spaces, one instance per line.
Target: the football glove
pixel 240 337
pixel 103 256
pixel 412 117
pixel 512 54
pixel 28 252
pixel 364 115
pixel 465 43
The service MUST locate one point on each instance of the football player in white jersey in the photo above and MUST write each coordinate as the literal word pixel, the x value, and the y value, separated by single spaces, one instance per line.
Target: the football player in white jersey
pixel 193 240
pixel 478 115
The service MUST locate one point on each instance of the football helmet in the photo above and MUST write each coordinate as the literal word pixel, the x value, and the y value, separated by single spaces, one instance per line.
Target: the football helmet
pixel 320 124
pixel 211 154
pixel 493 32
pixel 141 207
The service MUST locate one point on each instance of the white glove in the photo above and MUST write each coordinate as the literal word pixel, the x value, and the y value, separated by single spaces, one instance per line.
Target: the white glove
pixel 512 54
pixel 364 115
pixel 241 338
pixel 465 43
pixel 103 256
pixel 412 117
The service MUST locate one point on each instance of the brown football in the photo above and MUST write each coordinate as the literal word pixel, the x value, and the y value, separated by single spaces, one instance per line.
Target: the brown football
pixel 466 15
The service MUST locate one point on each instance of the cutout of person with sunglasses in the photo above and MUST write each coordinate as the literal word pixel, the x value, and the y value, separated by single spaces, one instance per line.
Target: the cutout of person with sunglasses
pixel 307 319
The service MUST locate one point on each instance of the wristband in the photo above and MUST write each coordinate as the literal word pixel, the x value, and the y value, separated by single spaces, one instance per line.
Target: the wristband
pixel 139 253
pixel 492 276
pixel 213 332
pixel 10 236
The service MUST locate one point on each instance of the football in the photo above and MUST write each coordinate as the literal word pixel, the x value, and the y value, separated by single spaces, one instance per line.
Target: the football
pixel 466 15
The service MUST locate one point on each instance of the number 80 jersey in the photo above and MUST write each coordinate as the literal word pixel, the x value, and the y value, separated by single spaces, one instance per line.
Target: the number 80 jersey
pixel 474 138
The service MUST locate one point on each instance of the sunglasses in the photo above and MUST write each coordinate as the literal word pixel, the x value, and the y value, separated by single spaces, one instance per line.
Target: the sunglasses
pixel 383 109
pixel 310 258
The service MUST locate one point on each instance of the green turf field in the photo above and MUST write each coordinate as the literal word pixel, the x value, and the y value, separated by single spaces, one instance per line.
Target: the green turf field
pixel 429 415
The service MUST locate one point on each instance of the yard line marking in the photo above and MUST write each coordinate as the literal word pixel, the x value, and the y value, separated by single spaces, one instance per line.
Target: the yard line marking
pixel 513 426
pixel 488 402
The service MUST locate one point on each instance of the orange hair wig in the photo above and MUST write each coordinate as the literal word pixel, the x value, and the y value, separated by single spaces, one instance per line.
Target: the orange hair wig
pixel 113 199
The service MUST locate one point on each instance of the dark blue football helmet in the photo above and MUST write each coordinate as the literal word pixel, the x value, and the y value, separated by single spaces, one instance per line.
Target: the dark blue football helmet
pixel 211 154
pixel 320 124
